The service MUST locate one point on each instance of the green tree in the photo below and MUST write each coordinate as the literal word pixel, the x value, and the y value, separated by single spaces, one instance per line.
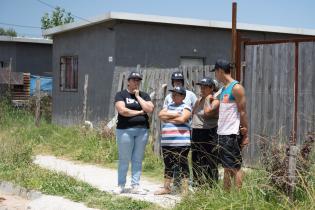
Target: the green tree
pixel 58 17
pixel 8 32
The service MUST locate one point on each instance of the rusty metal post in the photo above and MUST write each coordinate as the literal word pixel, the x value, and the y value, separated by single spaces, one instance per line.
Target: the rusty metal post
pixel 234 37
pixel 293 147
pixel 238 57
pixel 296 92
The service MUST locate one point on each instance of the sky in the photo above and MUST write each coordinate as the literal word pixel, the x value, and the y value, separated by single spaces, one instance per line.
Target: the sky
pixel 290 13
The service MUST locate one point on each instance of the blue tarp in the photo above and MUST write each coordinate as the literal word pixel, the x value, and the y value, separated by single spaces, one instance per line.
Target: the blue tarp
pixel 45 84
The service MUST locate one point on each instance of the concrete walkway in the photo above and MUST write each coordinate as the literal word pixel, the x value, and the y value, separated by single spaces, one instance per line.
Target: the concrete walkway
pixel 19 198
pixel 104 179
pixel 48 202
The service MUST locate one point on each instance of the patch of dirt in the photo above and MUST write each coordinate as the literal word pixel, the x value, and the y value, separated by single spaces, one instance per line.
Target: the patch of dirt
pixel 10 202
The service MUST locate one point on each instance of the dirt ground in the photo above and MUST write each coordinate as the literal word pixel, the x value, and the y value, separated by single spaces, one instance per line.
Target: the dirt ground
pixel 10 202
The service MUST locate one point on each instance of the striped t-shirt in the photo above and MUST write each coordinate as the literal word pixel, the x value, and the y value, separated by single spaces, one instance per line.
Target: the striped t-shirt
pixel 176 134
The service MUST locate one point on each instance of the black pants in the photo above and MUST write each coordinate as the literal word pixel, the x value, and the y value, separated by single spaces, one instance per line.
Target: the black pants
pixel 175 157
pixel 204 156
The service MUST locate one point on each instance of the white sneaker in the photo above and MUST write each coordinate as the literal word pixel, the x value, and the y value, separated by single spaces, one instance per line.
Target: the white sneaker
pixel 121 190
pixel 138 190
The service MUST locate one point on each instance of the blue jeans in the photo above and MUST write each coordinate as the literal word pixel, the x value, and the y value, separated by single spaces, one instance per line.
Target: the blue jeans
pixel 131 145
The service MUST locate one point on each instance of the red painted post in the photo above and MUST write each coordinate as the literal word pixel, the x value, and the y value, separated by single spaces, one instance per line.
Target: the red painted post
pixel 234 36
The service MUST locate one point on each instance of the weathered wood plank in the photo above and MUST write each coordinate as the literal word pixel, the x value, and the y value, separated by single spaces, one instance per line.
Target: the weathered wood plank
pixel 268 83
pixel 306 99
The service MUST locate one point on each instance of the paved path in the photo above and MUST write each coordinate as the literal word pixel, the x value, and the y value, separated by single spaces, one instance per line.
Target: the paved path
pixel 13 197
pixel 104 179
pixel 49 202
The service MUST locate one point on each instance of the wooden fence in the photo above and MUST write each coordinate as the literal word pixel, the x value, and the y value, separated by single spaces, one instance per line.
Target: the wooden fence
pixel 269 82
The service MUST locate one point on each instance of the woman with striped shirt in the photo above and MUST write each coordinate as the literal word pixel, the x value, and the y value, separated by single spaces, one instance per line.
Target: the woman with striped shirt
pixel 175 140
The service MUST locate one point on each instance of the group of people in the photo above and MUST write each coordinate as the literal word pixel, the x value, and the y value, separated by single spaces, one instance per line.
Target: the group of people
pixel 212 126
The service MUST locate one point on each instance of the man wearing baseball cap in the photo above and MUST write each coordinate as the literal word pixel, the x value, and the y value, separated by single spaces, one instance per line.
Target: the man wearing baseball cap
pixel 232 116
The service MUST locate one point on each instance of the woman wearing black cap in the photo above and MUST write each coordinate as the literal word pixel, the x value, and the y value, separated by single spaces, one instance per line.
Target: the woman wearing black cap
pixel 132 127
pixel 175 140
pixel 204 129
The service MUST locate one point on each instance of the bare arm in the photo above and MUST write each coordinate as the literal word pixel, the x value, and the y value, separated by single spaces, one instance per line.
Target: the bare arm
pixel 240 99
pixel 122 110
pixel 211 106
pixel 182 118
pixel 164 115
pixel 147 106
pixel 196 105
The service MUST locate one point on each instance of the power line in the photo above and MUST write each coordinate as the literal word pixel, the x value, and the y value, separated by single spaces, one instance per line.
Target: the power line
pixel 22 26
pixel 54 7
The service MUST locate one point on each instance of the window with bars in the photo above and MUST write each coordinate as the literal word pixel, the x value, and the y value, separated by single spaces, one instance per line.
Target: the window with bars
pixel 69 73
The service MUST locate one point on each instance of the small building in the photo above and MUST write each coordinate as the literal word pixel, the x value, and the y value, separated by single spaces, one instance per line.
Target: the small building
pixel 31 55
pixel 97 47
pixel 19 58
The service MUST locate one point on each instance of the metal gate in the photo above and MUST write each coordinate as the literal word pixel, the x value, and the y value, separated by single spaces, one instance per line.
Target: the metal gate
pixel 279 79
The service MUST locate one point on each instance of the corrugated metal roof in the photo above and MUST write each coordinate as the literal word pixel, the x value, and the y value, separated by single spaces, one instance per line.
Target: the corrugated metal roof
pixel 177 21
pixel 25 39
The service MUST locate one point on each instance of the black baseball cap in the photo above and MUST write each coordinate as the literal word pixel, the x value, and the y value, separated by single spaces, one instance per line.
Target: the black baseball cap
pixel 222 64
pixel 135 75
pixel 180 90
pixel 206 81
pixel 177 75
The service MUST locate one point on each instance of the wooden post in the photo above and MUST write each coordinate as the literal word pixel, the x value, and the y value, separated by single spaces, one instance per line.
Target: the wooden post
pixel 10 70
pixel 160 95
pixel 292 169
pixel 37 94
pixel 86 82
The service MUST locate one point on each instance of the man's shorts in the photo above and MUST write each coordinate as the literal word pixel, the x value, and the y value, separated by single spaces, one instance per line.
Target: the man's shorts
pixel 229 151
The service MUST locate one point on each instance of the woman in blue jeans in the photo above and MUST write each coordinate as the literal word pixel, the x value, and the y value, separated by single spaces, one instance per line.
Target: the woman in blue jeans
pixel 132 128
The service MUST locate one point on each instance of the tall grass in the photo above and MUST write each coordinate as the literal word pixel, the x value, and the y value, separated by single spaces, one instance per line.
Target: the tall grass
pixel 20 140
pixel 73 143
pixel 256 193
